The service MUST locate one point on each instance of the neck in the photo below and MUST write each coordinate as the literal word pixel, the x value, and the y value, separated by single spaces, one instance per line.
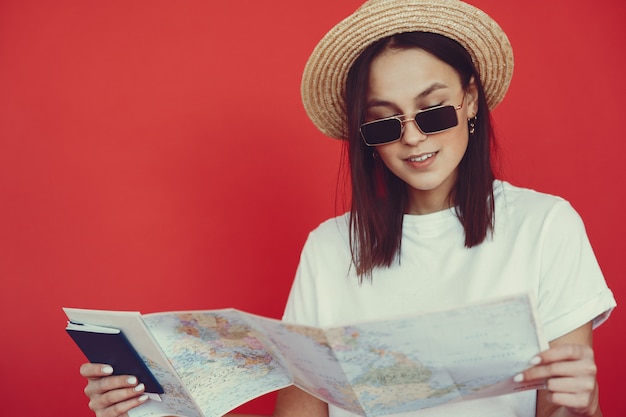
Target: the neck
pixel 431 201
pixel 428 203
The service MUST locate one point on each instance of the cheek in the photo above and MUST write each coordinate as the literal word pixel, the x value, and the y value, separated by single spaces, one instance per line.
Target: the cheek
pixel 459 142
pixel 458 137
pixel 462 129
pixel 386 153
pixel 453 146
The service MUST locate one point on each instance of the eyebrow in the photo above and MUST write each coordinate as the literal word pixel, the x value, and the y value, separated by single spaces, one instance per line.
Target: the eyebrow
pixel 382 103
pixel 436 86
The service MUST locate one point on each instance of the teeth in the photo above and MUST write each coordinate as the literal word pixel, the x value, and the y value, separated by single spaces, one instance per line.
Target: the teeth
pixel 422 158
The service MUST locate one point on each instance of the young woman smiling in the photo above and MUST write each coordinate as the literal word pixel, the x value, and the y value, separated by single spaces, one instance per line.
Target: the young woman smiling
pixel 409 85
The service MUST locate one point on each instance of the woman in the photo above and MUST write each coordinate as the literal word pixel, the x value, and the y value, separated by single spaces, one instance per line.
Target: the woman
pixel 410 85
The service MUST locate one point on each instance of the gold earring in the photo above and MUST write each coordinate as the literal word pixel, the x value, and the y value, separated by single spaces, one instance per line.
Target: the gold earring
pixel 471 124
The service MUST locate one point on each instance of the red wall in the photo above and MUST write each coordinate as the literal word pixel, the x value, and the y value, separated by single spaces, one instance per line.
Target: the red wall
pixel 154 155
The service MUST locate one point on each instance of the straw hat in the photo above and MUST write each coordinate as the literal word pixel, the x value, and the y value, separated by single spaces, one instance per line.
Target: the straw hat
pixel 325 74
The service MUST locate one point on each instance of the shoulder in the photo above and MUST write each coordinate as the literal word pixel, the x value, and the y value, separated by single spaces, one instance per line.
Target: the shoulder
pixel 525 203
pixel 333 230
pixel 542 218
pixel 327 247
pixel 508 194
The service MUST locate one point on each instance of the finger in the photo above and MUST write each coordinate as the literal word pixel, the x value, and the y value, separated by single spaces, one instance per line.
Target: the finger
pixel 577 368
pixel 561 360
pixel 95 370
pixel 119 409
pixel 118 401
pixel 566 352
pixel 571 385
pixel 99 386
pixel 576 402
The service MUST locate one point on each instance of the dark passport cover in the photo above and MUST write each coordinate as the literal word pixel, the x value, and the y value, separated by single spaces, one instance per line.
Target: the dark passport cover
pixel 115 350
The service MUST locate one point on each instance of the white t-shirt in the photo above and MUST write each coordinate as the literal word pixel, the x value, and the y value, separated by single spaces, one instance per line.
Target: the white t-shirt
pixel 539 245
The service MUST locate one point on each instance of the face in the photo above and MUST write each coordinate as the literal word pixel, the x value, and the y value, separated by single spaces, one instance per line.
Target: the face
pixel 401 83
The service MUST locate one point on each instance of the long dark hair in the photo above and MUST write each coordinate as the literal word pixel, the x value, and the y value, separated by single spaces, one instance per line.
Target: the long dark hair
pixel 379 198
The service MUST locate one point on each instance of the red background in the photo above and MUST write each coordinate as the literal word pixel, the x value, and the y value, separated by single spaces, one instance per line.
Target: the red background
pixel 154 155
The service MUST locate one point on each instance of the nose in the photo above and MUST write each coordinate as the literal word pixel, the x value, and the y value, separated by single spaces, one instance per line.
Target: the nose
pixel 411 135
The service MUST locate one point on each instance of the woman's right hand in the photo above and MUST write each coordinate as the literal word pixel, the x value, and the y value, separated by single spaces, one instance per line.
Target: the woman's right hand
pixel 111 395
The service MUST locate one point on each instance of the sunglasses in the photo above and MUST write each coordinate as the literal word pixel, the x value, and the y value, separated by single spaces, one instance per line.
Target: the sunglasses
pixel 390 129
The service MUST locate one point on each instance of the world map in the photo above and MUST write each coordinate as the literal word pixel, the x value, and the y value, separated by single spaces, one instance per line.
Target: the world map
pixel 218 357
pixel 224 358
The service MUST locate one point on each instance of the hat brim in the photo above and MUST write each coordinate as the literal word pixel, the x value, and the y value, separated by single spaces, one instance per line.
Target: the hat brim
pixel 325 74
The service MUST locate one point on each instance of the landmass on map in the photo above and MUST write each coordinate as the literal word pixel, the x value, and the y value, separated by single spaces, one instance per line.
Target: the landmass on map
pixel 210 362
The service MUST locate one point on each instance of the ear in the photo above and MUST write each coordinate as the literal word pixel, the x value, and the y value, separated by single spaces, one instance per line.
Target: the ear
pixel 471 98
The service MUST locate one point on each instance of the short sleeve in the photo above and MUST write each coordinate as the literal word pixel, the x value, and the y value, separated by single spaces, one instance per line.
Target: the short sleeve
pixel 572 289
pixel 301 306
pixel 323 271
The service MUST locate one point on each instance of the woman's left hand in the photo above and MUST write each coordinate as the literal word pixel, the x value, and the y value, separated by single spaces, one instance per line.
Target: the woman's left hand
pixel 570 374
pixel 569 370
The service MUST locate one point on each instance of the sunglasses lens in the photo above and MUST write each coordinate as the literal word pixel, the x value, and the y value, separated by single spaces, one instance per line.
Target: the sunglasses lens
pixel 429 121
pixel 436 120
pixel 381 131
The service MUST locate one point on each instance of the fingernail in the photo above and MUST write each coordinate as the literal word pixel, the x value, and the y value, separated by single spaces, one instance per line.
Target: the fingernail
pixel 107 369
pixel 143 398
pixel 518 378
pixel 536 360
pixel 131 380
pixel 139 387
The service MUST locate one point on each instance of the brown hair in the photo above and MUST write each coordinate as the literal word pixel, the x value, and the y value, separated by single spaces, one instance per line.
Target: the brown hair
pixel 379 198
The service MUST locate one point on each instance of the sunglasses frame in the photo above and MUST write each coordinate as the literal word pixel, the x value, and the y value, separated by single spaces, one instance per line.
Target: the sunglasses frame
pixel 403 121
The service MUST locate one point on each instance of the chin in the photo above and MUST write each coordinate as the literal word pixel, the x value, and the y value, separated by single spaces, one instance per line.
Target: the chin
pixel 425 186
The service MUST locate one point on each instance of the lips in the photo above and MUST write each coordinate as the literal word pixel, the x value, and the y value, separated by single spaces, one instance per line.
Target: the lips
pixel 422 157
